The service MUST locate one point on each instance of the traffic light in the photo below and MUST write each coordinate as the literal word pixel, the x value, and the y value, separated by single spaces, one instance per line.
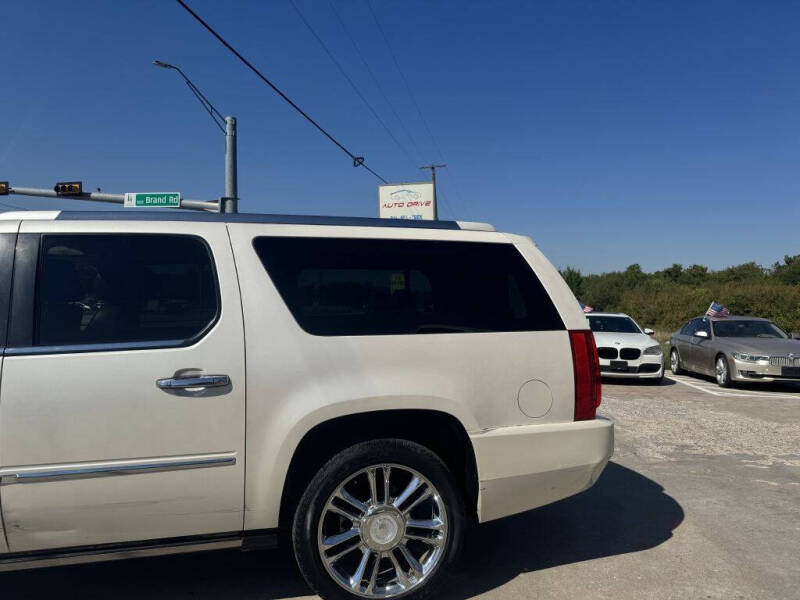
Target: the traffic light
pixel 69 188
pixel 3 188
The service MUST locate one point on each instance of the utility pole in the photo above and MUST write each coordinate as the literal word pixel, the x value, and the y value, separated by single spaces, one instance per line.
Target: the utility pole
pixel 433 168
pixel 229 203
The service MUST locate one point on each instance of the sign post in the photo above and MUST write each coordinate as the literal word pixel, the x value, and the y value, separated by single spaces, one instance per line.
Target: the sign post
pixel 407 201
pixel 152 200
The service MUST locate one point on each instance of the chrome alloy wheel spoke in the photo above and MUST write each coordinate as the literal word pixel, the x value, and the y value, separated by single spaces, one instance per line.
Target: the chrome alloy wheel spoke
pixel 375 567
pixel 355 580
pixel 335 540
pixel 387 497
pixel 373 486
pixel 416 568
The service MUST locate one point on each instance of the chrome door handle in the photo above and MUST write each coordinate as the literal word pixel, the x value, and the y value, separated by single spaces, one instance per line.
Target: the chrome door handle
pixel 195 381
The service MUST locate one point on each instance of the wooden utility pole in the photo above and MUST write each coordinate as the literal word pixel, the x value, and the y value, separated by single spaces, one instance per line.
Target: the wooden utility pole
pixel 433 179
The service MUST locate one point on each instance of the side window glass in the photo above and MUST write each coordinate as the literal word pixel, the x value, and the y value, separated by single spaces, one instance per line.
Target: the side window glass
pixel 705 325
pixel 391 287
pixel 95 289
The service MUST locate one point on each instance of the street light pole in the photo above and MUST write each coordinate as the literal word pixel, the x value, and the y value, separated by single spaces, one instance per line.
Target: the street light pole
pixel 229 203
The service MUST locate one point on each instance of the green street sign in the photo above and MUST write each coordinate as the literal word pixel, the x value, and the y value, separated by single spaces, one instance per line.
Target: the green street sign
pixel 152 199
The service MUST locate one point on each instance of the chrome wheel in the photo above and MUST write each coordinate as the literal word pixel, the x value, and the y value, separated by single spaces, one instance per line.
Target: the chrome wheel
pixel 722 371
pixel 383 531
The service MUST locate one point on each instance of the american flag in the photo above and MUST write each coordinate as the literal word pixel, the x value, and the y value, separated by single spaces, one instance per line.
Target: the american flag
pixel 586 308
pixel 717 310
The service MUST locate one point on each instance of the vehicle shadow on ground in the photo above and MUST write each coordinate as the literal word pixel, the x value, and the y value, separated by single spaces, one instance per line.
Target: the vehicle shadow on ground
pixel 624 512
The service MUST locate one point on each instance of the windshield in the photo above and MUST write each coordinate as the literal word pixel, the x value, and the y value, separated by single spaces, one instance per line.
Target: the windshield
pixel 748 329
pixel 613 325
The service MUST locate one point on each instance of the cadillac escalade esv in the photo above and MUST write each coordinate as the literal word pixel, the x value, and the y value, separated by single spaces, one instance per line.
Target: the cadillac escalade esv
pixel 176 382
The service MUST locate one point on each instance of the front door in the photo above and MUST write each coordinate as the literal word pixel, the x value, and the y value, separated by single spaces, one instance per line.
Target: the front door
pixel 704 353
pixel 683 343
pixel 122 396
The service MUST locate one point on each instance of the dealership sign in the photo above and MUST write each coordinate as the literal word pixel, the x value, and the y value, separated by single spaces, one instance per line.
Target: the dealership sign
pixel 407 201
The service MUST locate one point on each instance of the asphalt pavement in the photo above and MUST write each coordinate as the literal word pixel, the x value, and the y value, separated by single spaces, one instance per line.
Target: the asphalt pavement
pixel 701 500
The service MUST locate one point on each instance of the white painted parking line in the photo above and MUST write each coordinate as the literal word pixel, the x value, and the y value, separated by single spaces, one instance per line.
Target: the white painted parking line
pixel 712 389
pixel 694 385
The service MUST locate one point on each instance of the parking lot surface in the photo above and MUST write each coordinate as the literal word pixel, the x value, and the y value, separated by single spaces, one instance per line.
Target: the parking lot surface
pixel 701 500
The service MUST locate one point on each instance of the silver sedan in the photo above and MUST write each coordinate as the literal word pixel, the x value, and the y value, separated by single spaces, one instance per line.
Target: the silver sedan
pixel 735 349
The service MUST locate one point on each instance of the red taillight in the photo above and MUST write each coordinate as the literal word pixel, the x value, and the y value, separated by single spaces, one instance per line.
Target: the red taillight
pixel 586 367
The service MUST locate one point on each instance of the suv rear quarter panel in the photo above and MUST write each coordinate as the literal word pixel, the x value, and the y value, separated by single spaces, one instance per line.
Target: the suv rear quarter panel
pixel 296 380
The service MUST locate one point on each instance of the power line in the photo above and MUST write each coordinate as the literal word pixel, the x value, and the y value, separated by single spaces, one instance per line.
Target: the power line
pixel 410 93
pixel 375 80
pixel 12 206
pixel 350 81
pixel 358 161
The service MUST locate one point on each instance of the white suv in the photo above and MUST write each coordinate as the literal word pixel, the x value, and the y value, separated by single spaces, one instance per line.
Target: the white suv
pixel 174 382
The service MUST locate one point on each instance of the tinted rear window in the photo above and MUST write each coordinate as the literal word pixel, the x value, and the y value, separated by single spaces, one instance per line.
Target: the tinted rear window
pixel 390 287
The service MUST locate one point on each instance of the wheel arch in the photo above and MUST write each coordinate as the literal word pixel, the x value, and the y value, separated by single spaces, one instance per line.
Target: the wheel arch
pixel 439 431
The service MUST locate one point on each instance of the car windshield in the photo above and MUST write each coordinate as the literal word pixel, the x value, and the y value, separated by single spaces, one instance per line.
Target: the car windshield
pixel 613 324
pixel 748 329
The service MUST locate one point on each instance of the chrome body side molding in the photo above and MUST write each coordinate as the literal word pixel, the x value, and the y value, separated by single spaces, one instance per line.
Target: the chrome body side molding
pixel 39 473
pixel 247 540
pixel 56 559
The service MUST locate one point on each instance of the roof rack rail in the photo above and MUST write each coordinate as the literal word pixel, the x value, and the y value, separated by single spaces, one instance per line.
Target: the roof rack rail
pixel 206 217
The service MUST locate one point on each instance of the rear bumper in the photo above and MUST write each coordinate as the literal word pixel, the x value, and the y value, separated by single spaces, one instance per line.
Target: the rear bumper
pixel 523 467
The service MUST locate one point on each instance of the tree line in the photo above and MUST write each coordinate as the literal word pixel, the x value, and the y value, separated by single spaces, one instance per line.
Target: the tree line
pixel 666 299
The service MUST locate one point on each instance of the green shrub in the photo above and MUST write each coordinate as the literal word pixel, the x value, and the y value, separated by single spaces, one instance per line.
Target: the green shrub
pixel 666 299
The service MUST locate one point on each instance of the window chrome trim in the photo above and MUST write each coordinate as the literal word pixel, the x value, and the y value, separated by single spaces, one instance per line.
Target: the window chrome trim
pixel 108 347
pixel 84 470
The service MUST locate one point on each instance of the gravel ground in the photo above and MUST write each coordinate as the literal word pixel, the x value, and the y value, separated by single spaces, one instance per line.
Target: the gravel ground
pixel 701 500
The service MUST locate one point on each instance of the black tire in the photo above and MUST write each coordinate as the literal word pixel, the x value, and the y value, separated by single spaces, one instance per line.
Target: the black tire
pixel 338 470
pixel 675 360
pixel 724 378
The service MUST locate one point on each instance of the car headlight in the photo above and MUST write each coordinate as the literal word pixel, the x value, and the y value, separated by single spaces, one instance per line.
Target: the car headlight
pixel 653 351
pixel 753 358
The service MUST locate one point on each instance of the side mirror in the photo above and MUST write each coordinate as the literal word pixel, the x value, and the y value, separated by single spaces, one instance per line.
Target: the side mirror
pixel 795 335
pixel 648 331
pixel 701 334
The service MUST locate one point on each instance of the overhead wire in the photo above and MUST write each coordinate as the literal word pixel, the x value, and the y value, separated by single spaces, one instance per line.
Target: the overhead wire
pixel 413 98
pixel 350 81
pixel 358 161
pixel 375 80
pixel 13 206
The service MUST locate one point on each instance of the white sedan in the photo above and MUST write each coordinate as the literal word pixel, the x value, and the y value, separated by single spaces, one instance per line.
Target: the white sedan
pixel 625 349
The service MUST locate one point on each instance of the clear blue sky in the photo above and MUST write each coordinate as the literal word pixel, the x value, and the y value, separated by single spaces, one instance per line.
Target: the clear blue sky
pixel 611 132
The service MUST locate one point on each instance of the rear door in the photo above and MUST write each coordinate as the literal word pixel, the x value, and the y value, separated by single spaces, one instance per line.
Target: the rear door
pixel 101 440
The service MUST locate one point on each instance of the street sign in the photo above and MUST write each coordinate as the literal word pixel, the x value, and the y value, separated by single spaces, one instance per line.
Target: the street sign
pixel 152 199
pixel 406 201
